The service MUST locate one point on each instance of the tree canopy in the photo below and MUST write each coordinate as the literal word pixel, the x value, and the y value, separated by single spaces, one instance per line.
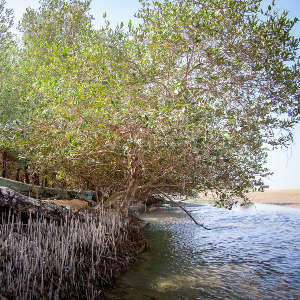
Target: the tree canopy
pixel 186 101
pixel 8 92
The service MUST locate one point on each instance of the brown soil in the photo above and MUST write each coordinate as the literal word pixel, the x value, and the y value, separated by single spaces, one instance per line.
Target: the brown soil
pixel 290 197
pixel 75 204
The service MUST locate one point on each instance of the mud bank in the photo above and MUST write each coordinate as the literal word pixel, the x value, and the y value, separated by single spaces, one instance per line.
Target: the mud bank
pixel 73 259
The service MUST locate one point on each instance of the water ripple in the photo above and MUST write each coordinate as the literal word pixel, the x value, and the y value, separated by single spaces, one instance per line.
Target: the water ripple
pixel 249 254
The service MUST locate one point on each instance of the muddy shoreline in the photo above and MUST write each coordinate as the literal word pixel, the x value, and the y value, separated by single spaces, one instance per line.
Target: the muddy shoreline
pixel 77 259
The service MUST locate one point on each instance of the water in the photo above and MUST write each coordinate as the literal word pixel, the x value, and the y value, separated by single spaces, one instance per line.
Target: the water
pixel 251 253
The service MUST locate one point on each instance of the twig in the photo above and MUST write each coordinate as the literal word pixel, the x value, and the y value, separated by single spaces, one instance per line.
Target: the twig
pixel 180 206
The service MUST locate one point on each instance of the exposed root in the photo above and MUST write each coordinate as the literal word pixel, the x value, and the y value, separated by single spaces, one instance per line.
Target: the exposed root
pixel 75 259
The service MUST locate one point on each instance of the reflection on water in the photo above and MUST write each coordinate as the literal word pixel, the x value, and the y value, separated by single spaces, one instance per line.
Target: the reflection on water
pixel 251 253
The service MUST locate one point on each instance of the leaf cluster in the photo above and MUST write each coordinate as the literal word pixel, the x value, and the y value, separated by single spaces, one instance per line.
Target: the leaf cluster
pixel 187 101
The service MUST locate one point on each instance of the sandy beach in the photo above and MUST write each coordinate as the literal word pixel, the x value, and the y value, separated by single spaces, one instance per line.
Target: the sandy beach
pixel 290 197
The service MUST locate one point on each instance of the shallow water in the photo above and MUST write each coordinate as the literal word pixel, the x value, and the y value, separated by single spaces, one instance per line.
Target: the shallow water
pixel 249 253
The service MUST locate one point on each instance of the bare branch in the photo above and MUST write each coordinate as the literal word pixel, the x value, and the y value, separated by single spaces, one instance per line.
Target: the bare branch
pixel 180 206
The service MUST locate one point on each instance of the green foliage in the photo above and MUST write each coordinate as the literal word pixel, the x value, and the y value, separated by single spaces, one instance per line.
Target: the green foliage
pixel 8 91
pixel 185 102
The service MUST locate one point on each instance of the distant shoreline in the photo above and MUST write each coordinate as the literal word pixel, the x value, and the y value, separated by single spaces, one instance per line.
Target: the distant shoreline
pixel 286 197
pixel 289 197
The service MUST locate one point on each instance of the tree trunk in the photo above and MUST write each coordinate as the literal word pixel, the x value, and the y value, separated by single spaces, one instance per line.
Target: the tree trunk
pixel 4 160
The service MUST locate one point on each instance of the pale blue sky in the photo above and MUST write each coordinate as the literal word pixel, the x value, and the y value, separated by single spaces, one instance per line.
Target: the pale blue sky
pixel 284 163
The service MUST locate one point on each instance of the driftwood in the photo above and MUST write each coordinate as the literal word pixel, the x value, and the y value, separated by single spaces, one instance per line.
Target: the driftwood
pixel 18 203
pixel 47 192
pixel 26 206
pixel 181 207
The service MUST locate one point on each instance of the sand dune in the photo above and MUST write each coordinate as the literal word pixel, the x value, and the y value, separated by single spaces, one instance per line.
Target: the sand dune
pixel 289 197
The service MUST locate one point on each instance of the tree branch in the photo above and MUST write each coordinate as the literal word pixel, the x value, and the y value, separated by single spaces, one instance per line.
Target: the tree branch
pixel 180 206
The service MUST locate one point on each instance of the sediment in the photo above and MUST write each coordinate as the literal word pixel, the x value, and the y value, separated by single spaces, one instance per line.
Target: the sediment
pixel 74 258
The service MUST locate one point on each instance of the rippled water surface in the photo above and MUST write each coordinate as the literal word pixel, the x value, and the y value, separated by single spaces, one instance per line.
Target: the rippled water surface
pixel 251 253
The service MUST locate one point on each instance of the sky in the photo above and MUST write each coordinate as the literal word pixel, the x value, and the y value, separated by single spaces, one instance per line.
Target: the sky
pixel 284 163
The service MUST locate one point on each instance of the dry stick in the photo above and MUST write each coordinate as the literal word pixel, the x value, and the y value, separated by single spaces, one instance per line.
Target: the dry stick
pixel 177 204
